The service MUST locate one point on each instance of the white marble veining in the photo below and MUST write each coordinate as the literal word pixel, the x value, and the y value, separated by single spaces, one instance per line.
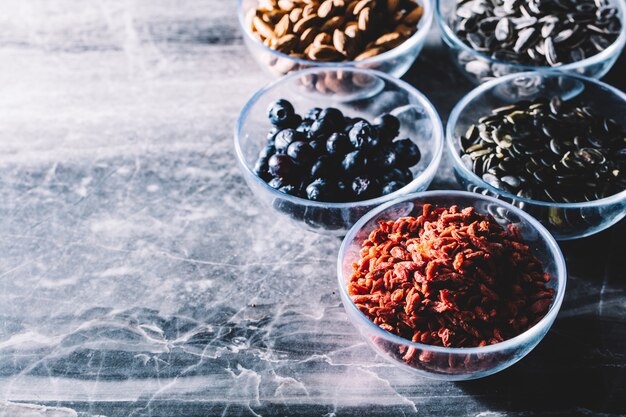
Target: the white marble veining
pixel 138 275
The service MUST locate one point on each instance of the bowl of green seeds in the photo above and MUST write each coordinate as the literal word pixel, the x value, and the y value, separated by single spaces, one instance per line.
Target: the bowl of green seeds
pixel 553 144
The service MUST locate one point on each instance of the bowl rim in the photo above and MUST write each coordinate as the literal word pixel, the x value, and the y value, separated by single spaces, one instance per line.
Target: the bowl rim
pixel 416 38
pixel 437 137
pixel 611 50
pixel 489 85
pixel 545 322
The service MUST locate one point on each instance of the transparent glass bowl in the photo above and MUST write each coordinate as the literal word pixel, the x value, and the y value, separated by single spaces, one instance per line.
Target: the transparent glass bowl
pixel 453 364
pixel 396 61
pixel 479 67
pixel 363 93
pixel 563 220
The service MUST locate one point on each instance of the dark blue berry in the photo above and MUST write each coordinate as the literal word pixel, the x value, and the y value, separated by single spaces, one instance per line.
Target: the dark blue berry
pixel 281 166
pixel 386 160
pixel 266 152
pixel 354 163
pixel 285 137
pixel 334 116
pixel 301 152
pixel 261 169
pixel 289 189
pixel 392 186
pixel 388 127
pixel 359 134
pixel 313 113
pixel 319 190
pixel 320 128
pixel 280 112
pixel 325 167
pixel 342 191
pixel 401 175
pixel 277 183
pixel 318 146
pixel 338 143
pixel 294 122
pixel 271 135
pixel 343 188
pixel 373 143
pixel 408 153
pixel 363 187
pixel 305 126
pixel 351 121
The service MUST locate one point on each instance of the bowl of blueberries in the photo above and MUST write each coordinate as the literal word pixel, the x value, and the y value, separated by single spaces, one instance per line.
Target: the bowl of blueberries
pixel 492 38
pixel 323 158
pixel 553 144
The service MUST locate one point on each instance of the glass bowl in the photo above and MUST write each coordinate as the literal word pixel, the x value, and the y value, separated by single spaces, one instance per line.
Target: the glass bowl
pixel 357 93
pixel 563 220
pixel 479 67
pixel 396 61
pixel 444 363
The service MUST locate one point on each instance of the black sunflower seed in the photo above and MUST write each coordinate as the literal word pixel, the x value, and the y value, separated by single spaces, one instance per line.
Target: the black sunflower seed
pixel 550 52
pixel 503 29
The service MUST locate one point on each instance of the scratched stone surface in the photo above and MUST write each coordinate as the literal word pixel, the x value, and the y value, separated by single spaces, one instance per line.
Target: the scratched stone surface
pixel 139 276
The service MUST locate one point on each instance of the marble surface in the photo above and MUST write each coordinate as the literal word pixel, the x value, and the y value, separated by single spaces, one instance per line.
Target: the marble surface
pixel 139 277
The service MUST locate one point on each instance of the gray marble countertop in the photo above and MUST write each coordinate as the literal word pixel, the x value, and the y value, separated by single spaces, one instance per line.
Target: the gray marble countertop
pixel 139 277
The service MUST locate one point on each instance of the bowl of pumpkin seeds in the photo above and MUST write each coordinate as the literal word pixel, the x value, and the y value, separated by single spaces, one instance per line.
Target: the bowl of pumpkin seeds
pixel 285 36
pixel 492 38
pixel 551 143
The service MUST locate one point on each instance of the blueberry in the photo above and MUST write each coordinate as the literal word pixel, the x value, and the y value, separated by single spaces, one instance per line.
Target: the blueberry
pixel 351 121
pixel 374 143
pixel 334 116
pixel 319 190
pixel 363 187
pixel 342 191
pixel 277 183
pixel 313 113
pixel 408 153
pixel 266 152
pixel 321 127
pixel 289 189
pixel 301 152
pixel 305 126
pixel 386 160
pixel 271 135
pixel 318 146
pixel 325 167
pixel 359 134
pixel 354 163
pixel 402 175
pixel 338 143
pixel 392 186
pixel 281 166
pixel 285 137
pixel 293 122
pixel 261 169
pixel 388 127
pixel 343 188
pixel 280 112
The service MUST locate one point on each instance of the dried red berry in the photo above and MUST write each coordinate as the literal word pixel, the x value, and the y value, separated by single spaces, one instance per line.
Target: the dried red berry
pixel 450 277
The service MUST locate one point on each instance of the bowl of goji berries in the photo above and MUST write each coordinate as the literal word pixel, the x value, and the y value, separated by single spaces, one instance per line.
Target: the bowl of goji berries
pixel 449 284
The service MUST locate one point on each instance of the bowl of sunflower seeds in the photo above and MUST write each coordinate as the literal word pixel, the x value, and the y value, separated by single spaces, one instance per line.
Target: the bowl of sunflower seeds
pixel 492 38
